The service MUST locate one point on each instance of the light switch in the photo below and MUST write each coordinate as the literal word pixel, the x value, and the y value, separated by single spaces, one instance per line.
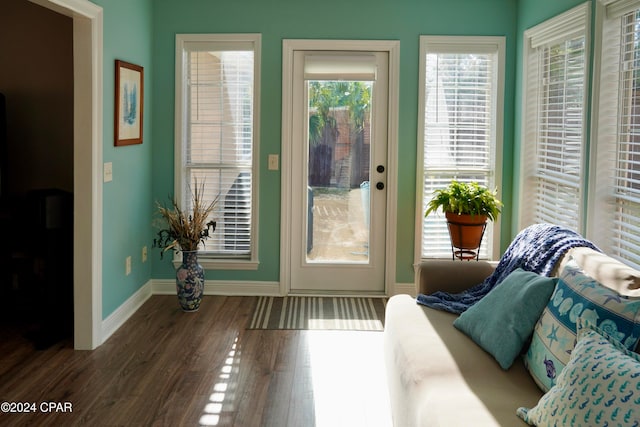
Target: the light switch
pixel 273 162
pixel 108 172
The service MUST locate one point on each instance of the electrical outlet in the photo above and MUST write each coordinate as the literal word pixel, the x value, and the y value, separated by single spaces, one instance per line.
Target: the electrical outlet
pixel 127 266
pixel 144 254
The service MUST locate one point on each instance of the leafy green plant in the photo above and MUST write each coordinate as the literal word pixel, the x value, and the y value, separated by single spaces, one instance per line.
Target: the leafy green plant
pixel 466 198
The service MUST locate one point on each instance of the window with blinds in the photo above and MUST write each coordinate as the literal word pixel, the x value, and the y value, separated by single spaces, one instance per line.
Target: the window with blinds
pixel 553 144
pixel 616 203
pixel 217 136
pixel 461 110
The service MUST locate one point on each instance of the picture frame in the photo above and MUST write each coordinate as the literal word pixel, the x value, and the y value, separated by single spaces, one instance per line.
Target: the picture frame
pixel 129 103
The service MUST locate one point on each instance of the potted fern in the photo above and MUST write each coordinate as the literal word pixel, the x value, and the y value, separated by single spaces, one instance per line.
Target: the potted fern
pixel 467 208
pixel 183 231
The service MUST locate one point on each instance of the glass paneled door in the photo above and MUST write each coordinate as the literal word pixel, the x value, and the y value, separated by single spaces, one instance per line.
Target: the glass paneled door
pixel 339 172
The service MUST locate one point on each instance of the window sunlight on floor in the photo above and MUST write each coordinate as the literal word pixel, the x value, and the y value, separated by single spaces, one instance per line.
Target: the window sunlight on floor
pixel 213 409
pixel 349 382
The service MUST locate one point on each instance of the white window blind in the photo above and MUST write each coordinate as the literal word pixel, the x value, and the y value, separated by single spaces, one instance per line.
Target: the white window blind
pixel 459 111
pixel 553 145
pixel 218 138
pixel 616 204
pixel 340 68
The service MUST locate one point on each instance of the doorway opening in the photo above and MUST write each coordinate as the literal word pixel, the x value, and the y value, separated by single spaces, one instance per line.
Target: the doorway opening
pixel 36 179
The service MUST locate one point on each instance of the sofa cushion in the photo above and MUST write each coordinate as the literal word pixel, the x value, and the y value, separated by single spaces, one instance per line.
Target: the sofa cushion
pixel 577 295
pixel 608 271
pixel 437 376
pixel 502 321
pixel 599 386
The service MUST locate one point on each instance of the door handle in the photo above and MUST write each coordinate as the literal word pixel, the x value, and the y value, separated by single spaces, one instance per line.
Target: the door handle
pixel 380 185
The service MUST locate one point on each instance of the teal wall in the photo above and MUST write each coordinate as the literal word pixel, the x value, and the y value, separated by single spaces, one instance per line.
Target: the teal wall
pixel 533 12
pixel 127 200
pixel 403 20
pixel 143 32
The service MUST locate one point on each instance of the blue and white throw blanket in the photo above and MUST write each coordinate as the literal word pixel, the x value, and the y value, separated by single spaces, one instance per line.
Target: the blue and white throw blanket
pixel 537 248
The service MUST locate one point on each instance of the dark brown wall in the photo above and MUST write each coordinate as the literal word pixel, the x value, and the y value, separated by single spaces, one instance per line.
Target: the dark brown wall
pixel 36 76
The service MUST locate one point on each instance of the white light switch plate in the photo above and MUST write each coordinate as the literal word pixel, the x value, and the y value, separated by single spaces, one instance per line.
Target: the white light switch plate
pixel 273 162
pixel 108 172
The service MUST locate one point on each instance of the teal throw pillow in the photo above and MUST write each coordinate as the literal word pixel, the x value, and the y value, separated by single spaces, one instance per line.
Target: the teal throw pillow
pixel 576 296
pixel 600 385
pixel 502 321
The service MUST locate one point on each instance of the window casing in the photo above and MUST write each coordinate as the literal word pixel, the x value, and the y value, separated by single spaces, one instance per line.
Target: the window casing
pixel 460 129
pixel 217 87
pixel 615 176
pixel 553 146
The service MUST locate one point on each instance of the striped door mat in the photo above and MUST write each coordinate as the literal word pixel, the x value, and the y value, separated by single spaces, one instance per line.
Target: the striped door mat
pixel 319 313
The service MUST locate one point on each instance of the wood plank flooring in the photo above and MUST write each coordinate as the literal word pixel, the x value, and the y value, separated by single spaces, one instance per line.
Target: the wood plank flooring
pixel 169 368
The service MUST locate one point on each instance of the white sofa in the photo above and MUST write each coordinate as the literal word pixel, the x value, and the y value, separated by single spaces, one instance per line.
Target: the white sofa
pixel 437 376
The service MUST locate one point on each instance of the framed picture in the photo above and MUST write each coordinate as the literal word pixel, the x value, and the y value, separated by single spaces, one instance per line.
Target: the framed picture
pixel 129 104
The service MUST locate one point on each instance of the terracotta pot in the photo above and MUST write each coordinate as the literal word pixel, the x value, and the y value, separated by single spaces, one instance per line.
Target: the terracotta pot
pixel 466 231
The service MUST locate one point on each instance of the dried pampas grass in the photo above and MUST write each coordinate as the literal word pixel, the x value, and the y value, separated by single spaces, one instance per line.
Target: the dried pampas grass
pixel 182 230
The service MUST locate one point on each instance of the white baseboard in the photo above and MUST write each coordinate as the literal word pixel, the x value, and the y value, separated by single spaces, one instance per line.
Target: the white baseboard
pixel 221 287
pixel 233 288
pixel 125 311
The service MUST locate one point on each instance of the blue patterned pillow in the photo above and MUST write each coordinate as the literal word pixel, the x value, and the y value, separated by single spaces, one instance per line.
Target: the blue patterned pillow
pixel 577 296
pixel 599 386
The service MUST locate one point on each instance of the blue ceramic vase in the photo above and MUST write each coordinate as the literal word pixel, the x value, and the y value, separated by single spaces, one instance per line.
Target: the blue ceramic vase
pixel 190 281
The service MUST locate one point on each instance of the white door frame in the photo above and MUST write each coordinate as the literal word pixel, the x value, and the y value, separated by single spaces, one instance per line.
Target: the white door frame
pixel 288 47
pixel 87 160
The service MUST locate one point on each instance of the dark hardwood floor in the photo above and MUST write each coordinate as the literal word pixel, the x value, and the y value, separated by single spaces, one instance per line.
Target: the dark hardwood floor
pixel 169 368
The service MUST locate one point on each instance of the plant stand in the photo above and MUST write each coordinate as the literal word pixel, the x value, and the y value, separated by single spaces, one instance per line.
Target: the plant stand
pixel 462 246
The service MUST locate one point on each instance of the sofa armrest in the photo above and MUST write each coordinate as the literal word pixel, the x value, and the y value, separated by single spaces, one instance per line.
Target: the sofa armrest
pixel 449 275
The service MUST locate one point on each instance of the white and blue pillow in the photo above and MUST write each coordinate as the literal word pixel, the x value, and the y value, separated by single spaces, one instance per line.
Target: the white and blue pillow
pixel 600 385
pixel 578 296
